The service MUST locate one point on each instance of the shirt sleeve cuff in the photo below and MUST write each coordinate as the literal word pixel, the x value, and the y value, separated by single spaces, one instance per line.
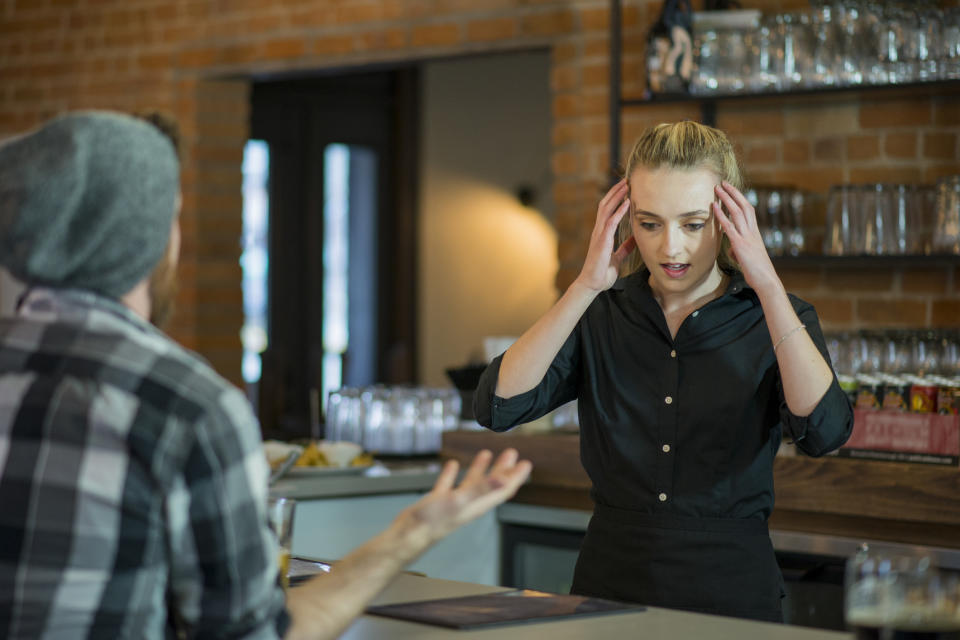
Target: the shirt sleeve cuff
pixel 826 428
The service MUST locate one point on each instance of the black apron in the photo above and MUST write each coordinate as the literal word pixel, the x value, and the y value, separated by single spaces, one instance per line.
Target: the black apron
pixel 710 565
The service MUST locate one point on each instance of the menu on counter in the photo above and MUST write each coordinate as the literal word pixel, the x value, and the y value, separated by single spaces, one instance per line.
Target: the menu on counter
pixel 500 608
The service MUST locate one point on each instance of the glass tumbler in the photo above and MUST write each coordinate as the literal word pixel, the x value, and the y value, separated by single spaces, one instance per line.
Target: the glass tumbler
pixel 900 596
pixel 280 516
pixel 946 234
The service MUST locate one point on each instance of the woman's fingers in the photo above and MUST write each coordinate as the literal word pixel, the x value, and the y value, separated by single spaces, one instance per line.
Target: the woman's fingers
pixel 734 212
pixel 733 195
pixel 624 250
pixel 611 200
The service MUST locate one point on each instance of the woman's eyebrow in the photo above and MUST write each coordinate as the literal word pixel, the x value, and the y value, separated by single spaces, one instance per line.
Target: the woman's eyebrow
pixel 688 214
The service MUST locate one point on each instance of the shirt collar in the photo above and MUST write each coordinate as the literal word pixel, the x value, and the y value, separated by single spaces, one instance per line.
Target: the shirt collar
pixel 639 280
pixel 44 301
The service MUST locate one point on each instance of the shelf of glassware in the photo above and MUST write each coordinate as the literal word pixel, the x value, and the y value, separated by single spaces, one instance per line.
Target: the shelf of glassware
pixel 868 261
pixel 930 87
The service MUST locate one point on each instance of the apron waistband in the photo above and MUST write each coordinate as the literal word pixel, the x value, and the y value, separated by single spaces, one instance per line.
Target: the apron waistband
pixel 683 523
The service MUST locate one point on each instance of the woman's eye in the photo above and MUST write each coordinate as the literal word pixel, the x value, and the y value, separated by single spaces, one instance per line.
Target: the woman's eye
pixel 648 226
pixel 695 226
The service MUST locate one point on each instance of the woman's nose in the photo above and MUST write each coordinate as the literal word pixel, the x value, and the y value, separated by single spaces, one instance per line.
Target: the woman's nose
pixel 671 242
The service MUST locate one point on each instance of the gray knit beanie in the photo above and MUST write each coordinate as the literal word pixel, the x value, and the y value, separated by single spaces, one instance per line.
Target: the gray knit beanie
pixel 87 201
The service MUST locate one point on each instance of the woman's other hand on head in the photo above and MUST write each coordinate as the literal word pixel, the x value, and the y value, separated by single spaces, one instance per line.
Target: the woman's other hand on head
pixel 602 265
pixel 738 220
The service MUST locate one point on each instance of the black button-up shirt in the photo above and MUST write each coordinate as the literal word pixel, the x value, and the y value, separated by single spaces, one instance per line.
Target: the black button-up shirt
pixel 687 426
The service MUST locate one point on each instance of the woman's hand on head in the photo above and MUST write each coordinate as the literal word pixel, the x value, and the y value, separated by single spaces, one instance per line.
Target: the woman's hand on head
pixel 602 265
pixel 739 222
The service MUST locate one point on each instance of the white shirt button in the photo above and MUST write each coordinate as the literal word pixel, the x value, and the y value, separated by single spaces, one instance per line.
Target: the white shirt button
pixel 666 448
pixel 663 497
pixel 695 314
pixel 668 400
pixel 673 353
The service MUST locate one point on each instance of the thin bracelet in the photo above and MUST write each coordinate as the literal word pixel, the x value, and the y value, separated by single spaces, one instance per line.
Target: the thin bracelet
pixel 787 335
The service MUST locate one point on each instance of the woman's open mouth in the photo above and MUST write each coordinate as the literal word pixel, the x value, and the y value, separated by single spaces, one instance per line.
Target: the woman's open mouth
pixel 675 269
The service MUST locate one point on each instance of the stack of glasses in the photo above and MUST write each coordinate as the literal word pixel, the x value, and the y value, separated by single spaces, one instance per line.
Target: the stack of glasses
pixel 392 420
pixel 839 43
pixel 894 219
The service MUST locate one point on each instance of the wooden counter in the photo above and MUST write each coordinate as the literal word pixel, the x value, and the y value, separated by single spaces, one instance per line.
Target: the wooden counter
pixel 889 501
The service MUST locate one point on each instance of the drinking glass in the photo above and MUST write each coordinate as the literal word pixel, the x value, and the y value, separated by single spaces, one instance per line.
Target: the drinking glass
pixel 946 234
pixel 841 216
pixel 902 199
pixel 707 46
pixel 948 66
pixel 796 239
pixel 893 596
pixel 875 227
pixel 825 60
pixel 280 516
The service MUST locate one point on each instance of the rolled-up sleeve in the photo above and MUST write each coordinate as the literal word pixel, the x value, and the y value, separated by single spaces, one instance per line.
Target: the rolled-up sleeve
pixel 830 423
pixel 558 386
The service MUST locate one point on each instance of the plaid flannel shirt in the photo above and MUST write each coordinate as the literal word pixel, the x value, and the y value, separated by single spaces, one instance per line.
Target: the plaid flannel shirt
pixel 132 483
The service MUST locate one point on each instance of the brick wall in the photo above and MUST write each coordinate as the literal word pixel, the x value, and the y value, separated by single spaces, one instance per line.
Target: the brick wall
pixel 191 57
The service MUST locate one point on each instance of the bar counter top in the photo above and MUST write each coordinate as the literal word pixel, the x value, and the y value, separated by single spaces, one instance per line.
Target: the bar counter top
pixel 908 503
pixel 652 624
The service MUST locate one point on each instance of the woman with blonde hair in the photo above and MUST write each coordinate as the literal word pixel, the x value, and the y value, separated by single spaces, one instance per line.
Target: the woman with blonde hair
pixel 688 370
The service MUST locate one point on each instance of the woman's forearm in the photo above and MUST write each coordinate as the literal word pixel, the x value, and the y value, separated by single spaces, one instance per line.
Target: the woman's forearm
pixel 527 360
pixel 805 374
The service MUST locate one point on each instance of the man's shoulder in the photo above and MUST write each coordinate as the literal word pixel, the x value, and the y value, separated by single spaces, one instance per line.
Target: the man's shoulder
pixel 147 364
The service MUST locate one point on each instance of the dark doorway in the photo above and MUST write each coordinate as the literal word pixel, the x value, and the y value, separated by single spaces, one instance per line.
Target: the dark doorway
pixel 341 239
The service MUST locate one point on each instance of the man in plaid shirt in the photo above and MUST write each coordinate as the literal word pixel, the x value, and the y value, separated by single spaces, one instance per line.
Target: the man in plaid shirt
pixel 132 478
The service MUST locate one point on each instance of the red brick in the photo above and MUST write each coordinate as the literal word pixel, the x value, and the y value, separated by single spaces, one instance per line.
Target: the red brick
pixel 198 57
pixel 492 29
pixel 892 313
pixel 331 44
pixel 800 278
pixel 286 48
pixel 596 75
pixel 946 111
pixel 900 145
pixel 932 172
pixel 819 179
pixel 895 113
pixel 863 148
pixel 830 149
pixel 565 163
pixel 596 47
pixel 905 174
pixel 382 39
pixel 796 151
pixel 940 145
pixel 752 122
pixel 435 35
pixel 832 312
pixel 760 154
pixel 874 280
pixel 547 24
pixel 945 313
pixel 595 19
pixel 355 11
pixel 916 280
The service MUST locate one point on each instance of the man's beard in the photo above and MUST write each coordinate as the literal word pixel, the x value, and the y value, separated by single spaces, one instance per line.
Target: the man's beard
pixel 163 291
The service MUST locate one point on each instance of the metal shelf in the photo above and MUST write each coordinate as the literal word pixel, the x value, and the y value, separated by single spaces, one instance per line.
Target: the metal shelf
pixel 854 262
pixel 931 87
pixel 709 102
